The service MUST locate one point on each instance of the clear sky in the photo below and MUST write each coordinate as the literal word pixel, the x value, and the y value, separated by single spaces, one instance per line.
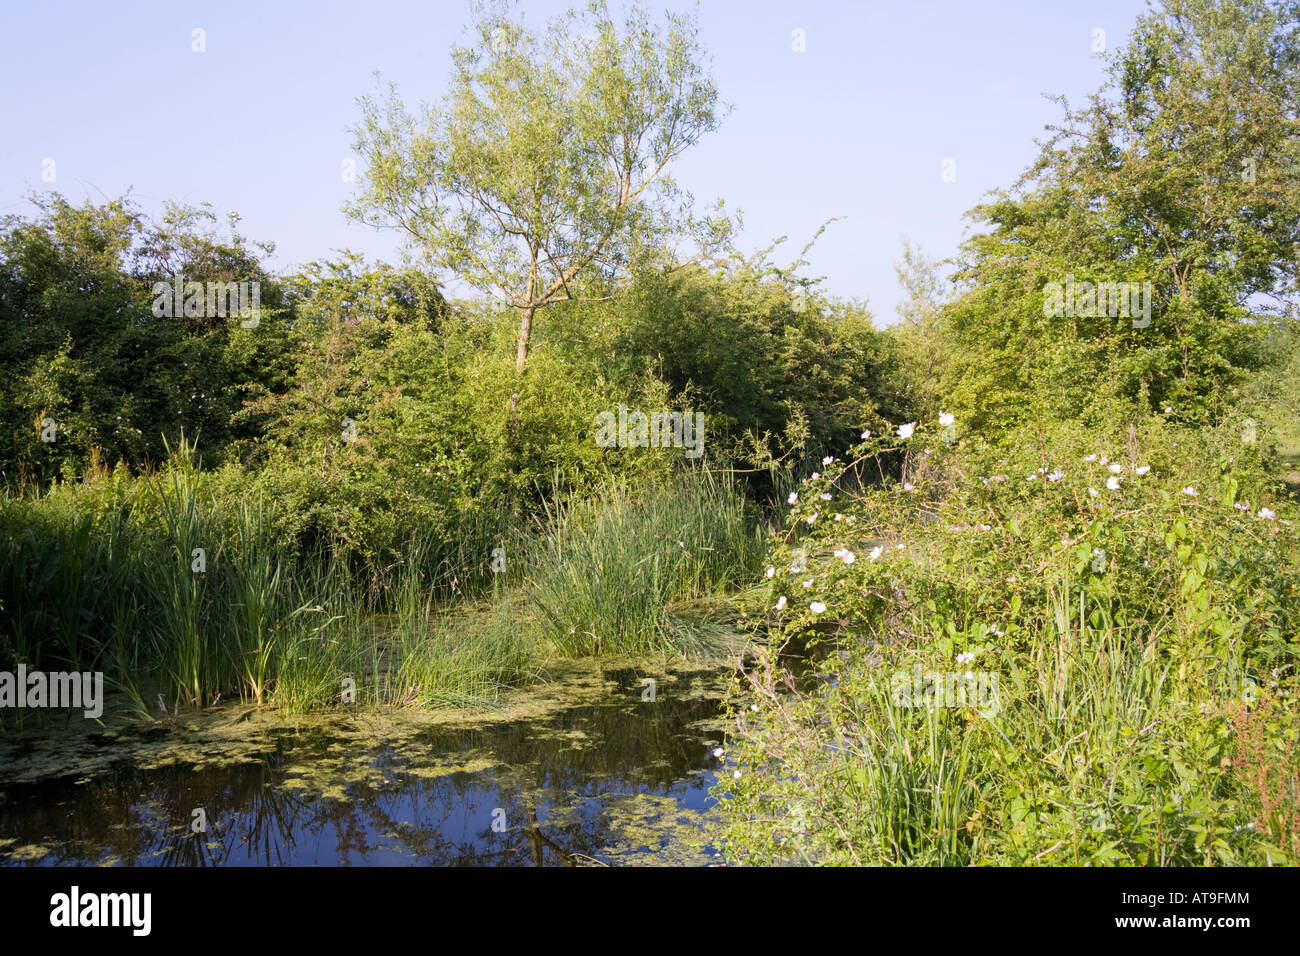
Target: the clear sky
pixel 858 125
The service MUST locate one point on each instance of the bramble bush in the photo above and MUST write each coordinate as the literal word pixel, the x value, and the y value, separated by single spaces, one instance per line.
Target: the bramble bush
pixel 1126 595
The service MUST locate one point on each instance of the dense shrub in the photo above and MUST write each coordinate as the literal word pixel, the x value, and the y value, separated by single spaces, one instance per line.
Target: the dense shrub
pixel 82 348
pixel 1124 593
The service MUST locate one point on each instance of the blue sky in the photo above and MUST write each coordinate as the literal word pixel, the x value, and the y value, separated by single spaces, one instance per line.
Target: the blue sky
pixel 857 126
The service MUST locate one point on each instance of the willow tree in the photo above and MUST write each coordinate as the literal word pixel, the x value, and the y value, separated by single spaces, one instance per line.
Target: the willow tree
pixel 544 170
pixel 1182 170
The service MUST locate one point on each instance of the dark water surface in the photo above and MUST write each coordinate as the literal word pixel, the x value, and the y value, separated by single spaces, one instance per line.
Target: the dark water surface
pixel 604 777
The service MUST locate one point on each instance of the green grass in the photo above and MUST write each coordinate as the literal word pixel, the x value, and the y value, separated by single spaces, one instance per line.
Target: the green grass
pixel 108 575
pixel 1143 640
pixel 460 659
pixel 1099 754
pixel 618 572
pixel 185 595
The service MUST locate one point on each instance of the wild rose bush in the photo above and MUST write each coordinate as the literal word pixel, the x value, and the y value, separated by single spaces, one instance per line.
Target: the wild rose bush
pixel 1124 596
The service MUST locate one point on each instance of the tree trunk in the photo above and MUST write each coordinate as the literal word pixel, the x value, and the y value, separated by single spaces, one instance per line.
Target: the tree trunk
pixel 521 357
pixel 512 423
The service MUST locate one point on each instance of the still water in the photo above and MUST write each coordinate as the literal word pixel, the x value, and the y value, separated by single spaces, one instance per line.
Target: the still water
pixel 581 771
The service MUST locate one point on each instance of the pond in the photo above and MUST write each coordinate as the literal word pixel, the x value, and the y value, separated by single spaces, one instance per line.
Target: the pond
pixel 589 768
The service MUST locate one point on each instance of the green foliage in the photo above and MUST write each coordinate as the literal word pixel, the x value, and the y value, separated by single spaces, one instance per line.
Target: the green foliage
pixel 618 572
pixel 777 369
pixel 181 589
pixel 1095 530
pixel 396 429
pixel 1108 550
pixel 542 176
pixel 927 363
pixel 1183 172
pixel 82 348
pixel 1120 630
pixel 460 659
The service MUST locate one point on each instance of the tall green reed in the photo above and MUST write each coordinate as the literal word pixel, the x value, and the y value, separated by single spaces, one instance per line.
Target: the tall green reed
pixel 615 572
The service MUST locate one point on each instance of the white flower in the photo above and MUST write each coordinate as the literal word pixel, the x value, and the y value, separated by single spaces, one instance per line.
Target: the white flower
pixel 754 707
pixel 808 583
pixel 794 496
pixel 965 658
pixel 1168 409
pixel 1141 470
pixel 1093 492
pixel 780 602
pixel 839 517
pixel 1112 483
pixel 817 607
pixel 866 434
pixel 826 496
pixel 1056 475
pixel 900 547
pixel 845 555
pixel 907 486
pixel 1242 506
pixel 719 752
pixel 736 773
pixel 1089 457
pixel 905 431
pixel 876 552
pixel 946 419
pixel 970 676
pixel 816 475
pixel 985 527
pixel 1105 460
pixel 1117 469
pixel 811 518
pixel 1267 514
pixel 827 460
pixel 1189 490
pixel 770 571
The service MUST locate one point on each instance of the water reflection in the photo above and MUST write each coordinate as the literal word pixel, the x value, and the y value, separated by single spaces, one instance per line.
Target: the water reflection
pixel 619 781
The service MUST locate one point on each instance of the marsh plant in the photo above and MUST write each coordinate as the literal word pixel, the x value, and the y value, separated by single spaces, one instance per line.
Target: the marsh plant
pixel 1125 680
pixel 186 592
pixel 628 569
pixel 187 596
